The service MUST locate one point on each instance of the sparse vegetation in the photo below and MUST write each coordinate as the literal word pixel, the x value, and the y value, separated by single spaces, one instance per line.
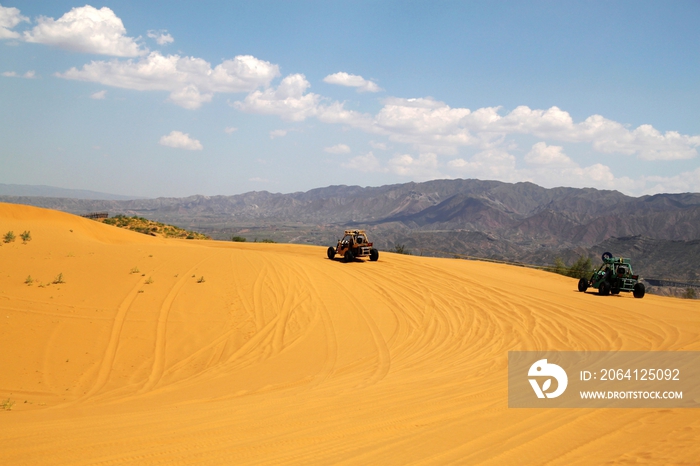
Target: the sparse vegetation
pixel 582 268
pixel 9 237
pixel 26 236
pixel 7 404
pixel 134 270
pixel 29 280
pixel 268 241
pixel 58 279
pixel 238 239
pixel 201 279
pixel 689 293
pixel 150 227
pixel 400 249
pixel 149 281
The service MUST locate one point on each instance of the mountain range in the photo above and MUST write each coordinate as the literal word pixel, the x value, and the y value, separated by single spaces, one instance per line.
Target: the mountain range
pixel 489 219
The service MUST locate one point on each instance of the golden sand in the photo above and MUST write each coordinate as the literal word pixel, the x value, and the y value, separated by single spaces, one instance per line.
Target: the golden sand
pixel 162 351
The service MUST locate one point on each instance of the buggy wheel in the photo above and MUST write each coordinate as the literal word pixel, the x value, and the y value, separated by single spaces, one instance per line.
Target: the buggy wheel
pixel 373 255
pixel 349 257
pixel 331 252
pixel 582 285
pixel 615 290
pixel 604 289
pixel 638 290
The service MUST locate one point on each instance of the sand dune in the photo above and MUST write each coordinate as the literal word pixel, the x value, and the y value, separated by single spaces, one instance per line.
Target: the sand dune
pixel 240 353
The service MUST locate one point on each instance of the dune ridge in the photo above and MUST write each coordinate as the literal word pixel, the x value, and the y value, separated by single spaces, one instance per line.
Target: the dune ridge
pixel 242 353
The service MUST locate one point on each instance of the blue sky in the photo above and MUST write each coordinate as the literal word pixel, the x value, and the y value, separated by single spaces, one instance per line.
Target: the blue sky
pixel 168 98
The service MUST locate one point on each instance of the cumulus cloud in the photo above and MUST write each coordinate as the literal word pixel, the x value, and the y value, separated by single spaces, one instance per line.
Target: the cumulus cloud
pixel 9 18
pixel 28 75
pixel 338 149
pixel 86 29
pixel 278 133
pixel 352 80
pixel 287 101
pixel 179 140
pixel 191 81
pixel 161 37
pixel 423 167
pixel 547 166
pixel 100 95
pixel 364 163
pixel 683 182
pixel 379 145
pixel 550 156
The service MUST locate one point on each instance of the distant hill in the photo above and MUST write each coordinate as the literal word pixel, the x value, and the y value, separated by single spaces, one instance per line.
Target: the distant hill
pixel 50 191
pixel 491 219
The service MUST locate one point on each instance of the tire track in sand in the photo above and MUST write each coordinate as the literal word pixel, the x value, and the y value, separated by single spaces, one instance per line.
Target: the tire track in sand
pixel 113 344
pixel 158 366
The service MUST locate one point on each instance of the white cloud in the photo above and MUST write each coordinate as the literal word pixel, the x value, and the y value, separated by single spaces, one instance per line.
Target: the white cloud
pixel 288 101
pixel 86 29
pixel 379 145
pixel 9 18
pixel 423 167
pixel 364 163
pixel 548 166
pixel 161 37
pixel 434 126
pixel 191 81
pixel 278 133
pixel 100 95
pixel 551 156
pixel 28 75
pixel 683 182
pixel 338 149
pixel 489 164
pixel 352 80
pixel 230 129
pixel 180 140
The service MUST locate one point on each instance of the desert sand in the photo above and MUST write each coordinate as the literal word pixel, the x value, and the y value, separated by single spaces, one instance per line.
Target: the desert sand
pixel 163 351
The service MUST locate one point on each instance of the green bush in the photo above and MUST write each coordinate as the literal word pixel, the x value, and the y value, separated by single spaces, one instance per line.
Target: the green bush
pixel 9 237
pixel 238 239
pixel 400 249
pixel 26 236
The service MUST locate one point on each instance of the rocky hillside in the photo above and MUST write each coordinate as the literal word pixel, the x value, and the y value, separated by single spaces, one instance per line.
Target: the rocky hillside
pixel 520 221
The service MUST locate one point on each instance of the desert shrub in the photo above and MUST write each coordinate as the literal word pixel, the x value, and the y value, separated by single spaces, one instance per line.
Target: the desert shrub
pixel 268 241
pixel 29 280
pixel 7 404
pixel 238 239
pixel 9 237
pixel 201 279
pixel 400 249
pixel 134 270
pixel 26 236
pixel 689 293
pixel 582 268
pixel 149 281
pixel 58 279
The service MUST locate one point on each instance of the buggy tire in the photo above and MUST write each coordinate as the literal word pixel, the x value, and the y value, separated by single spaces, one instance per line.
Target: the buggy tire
pixel 638 290
pixel 604 289
pixel 614 290
pixel 607 255
pixel 373 255
pixel 349 256
pixel 331 252
pixel 582 285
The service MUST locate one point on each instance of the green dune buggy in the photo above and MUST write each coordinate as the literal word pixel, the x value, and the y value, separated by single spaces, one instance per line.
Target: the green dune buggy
pixel 612 277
